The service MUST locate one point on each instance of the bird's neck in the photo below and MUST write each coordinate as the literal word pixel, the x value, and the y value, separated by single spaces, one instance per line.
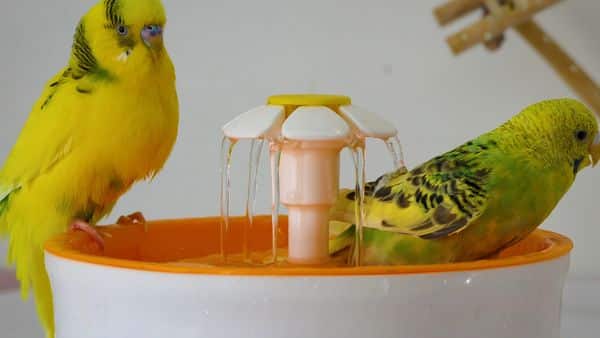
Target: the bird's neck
pixel 528 140
pixel 158 68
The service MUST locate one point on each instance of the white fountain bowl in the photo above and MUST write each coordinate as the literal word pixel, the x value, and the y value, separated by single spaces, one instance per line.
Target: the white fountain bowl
pixel 126 292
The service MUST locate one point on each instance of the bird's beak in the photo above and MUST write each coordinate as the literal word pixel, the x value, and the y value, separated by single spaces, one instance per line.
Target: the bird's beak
pixel 152 35
pixel 595 150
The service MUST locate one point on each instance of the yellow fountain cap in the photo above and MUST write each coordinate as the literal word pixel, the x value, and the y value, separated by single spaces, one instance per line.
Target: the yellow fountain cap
pixel 309 100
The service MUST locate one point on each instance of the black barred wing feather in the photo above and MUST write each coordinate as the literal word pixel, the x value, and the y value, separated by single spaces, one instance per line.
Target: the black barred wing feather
pixel 439 198
pixel 83 60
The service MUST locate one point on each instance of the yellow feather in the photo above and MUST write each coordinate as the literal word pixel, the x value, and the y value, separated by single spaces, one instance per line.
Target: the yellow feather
pixel 87 140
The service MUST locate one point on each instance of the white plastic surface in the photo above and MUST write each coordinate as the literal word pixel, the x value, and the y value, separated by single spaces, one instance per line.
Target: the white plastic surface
pixel 93 301
pixel 263 121
pixel 367 123
pixel 315 124
pixel 309 175
pixel 308 240
pixel 309 182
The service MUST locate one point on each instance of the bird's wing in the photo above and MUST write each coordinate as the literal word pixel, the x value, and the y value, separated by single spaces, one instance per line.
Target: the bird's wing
pixel 46 138
pixel 4 192
pixel 48 134
pixel 438 199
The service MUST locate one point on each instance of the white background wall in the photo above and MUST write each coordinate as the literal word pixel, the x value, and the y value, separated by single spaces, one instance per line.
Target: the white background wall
pixel 388 55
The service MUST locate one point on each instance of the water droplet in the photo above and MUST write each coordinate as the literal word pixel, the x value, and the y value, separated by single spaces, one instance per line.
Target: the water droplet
pixel 386 286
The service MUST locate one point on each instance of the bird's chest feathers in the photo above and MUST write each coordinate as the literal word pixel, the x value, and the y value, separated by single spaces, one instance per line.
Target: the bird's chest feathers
pixel 528 193
pixel 135 127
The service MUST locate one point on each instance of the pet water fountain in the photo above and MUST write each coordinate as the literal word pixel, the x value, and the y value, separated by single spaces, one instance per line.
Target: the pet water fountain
pixel 191 278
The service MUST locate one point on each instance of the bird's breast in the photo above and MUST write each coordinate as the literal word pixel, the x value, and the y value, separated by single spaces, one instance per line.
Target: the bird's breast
pixel 135 128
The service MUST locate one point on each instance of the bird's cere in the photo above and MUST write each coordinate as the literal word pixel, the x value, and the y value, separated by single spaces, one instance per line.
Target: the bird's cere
pixel 152 35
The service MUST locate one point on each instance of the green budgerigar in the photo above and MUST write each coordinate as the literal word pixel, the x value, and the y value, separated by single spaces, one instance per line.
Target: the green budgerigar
pixel 479 198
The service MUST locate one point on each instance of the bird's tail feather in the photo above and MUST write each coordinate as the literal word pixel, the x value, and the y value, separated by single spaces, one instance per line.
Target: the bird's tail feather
pixel 43 294
pixel 28 257
pixel 341 237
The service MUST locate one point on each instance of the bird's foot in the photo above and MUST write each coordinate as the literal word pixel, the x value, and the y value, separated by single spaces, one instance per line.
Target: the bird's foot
pixel 135 218
pixel 88 229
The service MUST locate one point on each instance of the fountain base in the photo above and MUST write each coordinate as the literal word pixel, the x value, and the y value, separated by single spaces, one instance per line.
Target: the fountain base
pixel 134 289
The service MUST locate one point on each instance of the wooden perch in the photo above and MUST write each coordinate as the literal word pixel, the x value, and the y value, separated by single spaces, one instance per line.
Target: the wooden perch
pixel 501 15
pixel 494 25
pixel 455 9
pixel 563 64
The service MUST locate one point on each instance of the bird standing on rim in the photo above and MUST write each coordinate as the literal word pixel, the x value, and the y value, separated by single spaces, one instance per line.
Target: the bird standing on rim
pixel 105 121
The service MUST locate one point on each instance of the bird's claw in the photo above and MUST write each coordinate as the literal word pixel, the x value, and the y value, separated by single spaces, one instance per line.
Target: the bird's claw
pixel 135 218
pixel 88 229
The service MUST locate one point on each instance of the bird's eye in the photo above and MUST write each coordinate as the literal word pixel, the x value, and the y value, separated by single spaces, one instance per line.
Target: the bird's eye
pixel 581 135
pixel 122 30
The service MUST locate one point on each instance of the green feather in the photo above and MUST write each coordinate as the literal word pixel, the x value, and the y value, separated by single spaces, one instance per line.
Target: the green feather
pixel 474 200
pixel 342 236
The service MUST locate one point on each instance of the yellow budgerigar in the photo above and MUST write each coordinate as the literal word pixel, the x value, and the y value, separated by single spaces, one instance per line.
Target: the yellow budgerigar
pixel 105 121
pixel 478 198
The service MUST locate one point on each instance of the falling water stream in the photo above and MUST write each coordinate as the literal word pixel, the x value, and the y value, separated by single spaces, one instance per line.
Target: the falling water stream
pixel 358 151
pixel 275 157
pixel 227 146
pixel 395 149
pixel 358 156
pixel 256 148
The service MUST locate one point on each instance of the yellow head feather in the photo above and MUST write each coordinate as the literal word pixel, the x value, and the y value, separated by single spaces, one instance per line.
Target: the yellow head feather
pixel 565 130
pixel 109 36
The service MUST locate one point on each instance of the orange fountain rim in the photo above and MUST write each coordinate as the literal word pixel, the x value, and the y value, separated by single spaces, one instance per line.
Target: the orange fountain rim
pixel 152 247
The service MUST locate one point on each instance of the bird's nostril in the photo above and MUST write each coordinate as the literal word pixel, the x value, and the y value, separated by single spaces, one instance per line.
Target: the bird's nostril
pixel 153 30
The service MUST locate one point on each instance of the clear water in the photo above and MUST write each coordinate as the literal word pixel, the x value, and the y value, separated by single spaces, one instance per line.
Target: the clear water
pixel 227 146
pixel 257 259
pixel 275 156
pixel 395 149
pixel 256 149
pixel 358 156
pixel 357 148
